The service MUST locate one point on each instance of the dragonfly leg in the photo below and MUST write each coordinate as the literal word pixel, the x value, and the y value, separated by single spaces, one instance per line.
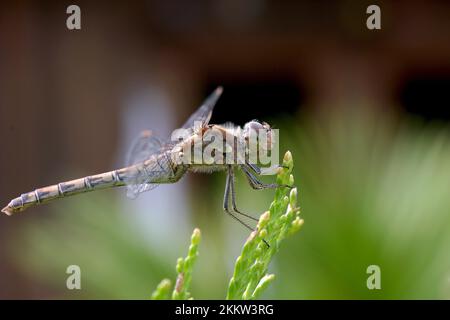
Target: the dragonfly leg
pixel 226 202
pixel 269 171
pixel 233 195
pixel 258 185
pixel 253 167
pixel 229 188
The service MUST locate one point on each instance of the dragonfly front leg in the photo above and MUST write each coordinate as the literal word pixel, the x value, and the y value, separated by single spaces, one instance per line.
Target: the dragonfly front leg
pixel 253 167
pixel 255 183
pixel 269 171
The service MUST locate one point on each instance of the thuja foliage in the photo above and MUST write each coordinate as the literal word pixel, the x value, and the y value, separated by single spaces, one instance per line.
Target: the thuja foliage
pixel 184 270
pixel 250 277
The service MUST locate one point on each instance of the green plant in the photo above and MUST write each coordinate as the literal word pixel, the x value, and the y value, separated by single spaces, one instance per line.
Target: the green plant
pixel 184 270
pixel 250 277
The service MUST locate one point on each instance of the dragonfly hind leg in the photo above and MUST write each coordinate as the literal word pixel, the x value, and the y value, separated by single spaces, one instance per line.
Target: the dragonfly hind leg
pixel 233 195
pixel 229 189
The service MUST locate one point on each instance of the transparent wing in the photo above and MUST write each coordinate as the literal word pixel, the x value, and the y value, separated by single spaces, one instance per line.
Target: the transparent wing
pixel 140 184
pixel 147 175
pixel 145 148
pixel 203 114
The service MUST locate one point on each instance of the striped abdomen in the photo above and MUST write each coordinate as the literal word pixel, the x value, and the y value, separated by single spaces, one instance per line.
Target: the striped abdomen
pixel 100 181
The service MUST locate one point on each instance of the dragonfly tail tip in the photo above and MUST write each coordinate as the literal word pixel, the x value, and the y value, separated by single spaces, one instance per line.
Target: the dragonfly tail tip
pixel 7 210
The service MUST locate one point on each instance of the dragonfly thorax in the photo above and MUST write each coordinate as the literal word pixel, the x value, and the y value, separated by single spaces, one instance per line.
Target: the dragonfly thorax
pixel 221 145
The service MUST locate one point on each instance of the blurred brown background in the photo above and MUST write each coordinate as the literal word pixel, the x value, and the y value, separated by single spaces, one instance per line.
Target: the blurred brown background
pixel 65 95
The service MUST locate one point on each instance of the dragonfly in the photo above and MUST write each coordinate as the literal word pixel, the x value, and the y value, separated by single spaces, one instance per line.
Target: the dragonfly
pixel 152 162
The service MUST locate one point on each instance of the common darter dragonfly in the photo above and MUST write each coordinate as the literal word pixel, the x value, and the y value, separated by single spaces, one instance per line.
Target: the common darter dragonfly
pixel 152 162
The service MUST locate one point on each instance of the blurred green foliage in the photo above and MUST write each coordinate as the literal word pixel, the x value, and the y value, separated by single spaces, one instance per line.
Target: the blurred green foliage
pixel 374 190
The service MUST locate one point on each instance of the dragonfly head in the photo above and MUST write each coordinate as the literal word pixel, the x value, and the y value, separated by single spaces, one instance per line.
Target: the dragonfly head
pixel 262 133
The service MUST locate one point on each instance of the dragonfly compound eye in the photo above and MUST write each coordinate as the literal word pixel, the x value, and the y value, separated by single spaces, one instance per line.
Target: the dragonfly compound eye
pixel 259 132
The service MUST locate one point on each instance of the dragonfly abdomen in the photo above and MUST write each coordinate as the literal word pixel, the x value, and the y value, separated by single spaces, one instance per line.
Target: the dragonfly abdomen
pixel 64 189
